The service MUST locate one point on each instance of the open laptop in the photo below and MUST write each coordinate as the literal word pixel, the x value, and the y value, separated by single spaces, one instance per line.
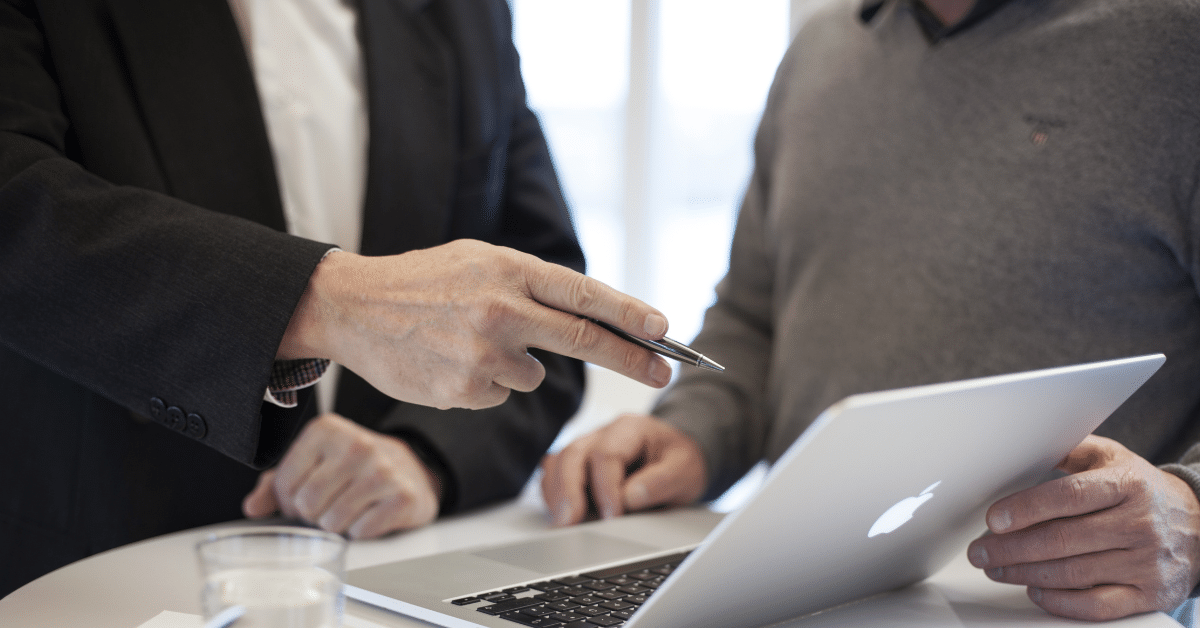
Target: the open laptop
pixel 882 490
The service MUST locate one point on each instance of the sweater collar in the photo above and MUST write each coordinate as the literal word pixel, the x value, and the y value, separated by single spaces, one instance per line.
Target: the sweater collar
pixel 933 28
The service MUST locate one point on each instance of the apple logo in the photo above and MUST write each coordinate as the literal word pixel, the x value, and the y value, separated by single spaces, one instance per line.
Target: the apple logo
pixel 901 512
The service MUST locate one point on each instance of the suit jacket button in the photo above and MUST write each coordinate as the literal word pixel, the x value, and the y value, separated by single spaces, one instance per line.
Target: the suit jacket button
pixel 196 427
pixel 175 419
pixel 157 408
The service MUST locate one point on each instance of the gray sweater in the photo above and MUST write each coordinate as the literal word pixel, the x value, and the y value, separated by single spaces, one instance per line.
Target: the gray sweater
pixel 1020 195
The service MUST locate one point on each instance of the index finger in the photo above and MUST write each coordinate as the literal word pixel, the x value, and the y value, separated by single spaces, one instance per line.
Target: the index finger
pixel 566 334
pixel 1071 496
pixel 564 289
pixel 614 451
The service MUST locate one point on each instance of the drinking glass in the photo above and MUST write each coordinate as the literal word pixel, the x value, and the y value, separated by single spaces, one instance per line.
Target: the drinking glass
pixel 273 577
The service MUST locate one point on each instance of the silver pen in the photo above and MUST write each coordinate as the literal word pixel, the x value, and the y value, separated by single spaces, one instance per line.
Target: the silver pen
pixel 666 348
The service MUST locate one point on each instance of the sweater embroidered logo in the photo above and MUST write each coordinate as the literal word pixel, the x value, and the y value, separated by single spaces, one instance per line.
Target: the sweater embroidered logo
pixel 1042 128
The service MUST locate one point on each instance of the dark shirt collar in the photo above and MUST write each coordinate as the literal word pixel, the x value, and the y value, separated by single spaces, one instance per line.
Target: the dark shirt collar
pixel 933 28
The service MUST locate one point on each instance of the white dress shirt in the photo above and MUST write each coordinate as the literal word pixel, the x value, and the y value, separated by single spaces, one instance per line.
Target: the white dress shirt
pixel 307 66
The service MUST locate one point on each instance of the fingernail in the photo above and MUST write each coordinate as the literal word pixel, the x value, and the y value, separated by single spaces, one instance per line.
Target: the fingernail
pixel 660 373
pixel 1035 594
pixel 655 325
pixel 637 496
pixel 1000 521
pixel 978 556
pixel 995 573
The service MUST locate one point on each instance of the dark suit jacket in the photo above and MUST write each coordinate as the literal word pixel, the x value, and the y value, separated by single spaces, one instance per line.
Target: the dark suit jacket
pixel 142 258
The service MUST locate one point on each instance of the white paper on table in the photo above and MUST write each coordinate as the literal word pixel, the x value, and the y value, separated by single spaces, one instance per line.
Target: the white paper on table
pixel 171 619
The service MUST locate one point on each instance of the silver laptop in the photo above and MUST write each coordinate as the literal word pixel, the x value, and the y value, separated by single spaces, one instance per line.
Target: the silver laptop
pixel 882 490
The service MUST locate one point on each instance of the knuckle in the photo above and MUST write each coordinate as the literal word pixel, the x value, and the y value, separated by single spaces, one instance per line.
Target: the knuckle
pixel 632 359
pixel 627 312
pixel 582 293
pixel 1073 489
pixel 583 335
pixel 360 447
pixel 495 315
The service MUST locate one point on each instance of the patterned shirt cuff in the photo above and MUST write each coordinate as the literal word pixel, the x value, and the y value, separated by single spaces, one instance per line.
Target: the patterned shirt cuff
pixel 289 376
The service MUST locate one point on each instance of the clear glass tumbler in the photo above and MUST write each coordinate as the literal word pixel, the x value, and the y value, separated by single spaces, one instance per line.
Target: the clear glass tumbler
pixel 273 577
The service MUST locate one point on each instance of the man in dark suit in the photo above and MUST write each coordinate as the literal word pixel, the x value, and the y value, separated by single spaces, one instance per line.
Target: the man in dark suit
pixel 147 289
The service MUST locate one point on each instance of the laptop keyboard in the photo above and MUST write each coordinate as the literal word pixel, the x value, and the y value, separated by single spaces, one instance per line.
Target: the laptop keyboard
pixel 604 597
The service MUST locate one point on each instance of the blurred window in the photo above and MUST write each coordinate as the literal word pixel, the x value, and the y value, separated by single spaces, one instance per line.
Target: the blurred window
pixel 650 108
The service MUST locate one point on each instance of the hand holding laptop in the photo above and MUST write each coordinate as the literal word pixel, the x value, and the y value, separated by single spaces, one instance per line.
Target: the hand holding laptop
pixel 1117 537
pixel 670 470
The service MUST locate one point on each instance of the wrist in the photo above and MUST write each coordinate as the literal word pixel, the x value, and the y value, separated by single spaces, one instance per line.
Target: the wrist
pixel 309 330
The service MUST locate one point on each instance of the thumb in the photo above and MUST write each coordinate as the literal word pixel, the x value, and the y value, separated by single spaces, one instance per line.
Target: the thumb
pixel 671 480
pixel 1093 453
pixel 261 501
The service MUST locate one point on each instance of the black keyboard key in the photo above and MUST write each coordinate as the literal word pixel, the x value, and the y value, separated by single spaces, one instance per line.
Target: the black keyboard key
pixel 642 575
pixel 564 605
pixel 586 600
pixel 622 614
pixel 465 601
pixel 640 565
pixel 568 617
pixel 537 611
pixel 495 596
pixel 546 586
pixel 514 604
pixel 574 591
pixel 536 622
pixel 574 580
pixel 606 620
pixel 579 624
pixel 620 581
pixel 552 596
pixel 591 611
pixel 517 617
pixel 609 595
pixel 599 585
pixel 634 589
pixel 615 605
pixel 516 590
pixel 636 600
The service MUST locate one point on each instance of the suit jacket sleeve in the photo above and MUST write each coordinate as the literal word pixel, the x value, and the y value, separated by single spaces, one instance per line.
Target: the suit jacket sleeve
pixel 132 293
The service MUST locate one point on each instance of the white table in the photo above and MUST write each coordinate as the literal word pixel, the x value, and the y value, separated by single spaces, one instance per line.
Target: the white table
pixel 128 586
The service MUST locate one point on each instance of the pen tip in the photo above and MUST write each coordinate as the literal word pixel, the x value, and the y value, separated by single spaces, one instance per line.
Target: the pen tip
pixel 707 363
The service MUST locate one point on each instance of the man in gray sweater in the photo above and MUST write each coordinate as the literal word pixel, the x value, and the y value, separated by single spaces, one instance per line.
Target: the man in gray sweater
pixel 951 189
